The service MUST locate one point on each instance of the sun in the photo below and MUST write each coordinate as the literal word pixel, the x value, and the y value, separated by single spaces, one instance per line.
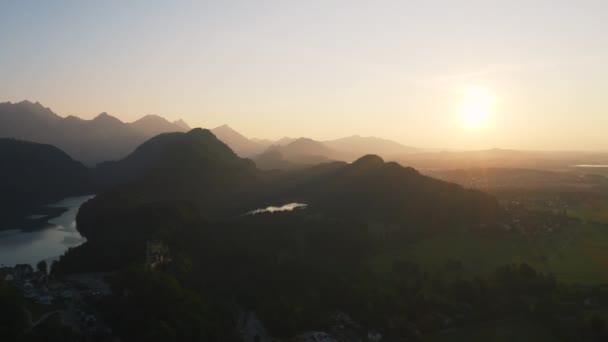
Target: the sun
pixel 475 113
pixel 476 108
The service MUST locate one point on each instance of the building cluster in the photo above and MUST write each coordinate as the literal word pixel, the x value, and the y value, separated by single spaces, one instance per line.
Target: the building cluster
pixel 33 284
pixel 70 297
pixel 536 221
pixel 343 328
pixel 157 253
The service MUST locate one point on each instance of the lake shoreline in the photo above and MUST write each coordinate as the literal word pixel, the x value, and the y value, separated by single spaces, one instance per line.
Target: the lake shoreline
pixel 44 234
pixel 26 223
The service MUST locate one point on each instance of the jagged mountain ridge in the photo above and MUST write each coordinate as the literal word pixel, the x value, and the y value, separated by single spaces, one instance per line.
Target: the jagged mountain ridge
pixel 90 141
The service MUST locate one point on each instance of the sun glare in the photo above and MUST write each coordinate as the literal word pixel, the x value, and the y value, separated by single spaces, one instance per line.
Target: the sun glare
pixel 476 108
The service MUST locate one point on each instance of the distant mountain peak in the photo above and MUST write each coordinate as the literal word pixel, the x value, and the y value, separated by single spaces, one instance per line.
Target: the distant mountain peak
pixel 106 118
pixel 149 117
pixel 30 103
pixel 91 141
pixel 302 140
pixel 182 124
pixel 153 124
pixel 26 102
pixel 284 141
pixel 356 145
pixel 307 143
pixel 237 142
pixel 203 133
pixel 35 107
pixel 73 118
pixel 368 161
pixel 225 127
pixel 198 130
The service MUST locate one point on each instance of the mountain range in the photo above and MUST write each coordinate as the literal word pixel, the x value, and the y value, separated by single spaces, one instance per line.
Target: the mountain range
pixel 89 141
pixel 289 153
pixel 106 138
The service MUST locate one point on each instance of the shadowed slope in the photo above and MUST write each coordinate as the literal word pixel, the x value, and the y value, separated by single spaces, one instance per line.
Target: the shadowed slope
pixel 33 174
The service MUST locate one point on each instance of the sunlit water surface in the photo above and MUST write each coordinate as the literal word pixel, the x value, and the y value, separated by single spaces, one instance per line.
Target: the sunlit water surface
pixel 599 166
pixel 272 209
pixel 48 243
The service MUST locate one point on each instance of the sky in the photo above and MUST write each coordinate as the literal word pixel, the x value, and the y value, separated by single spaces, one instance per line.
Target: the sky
pixel 436 74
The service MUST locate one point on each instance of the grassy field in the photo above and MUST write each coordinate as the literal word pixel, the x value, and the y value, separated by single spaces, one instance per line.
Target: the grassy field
pixel 513 329
pixel 591 212
pixel 37 310
pixel 578 254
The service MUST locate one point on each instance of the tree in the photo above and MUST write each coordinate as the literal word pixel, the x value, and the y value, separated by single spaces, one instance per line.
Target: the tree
pixel 13 319
pixel 42 267
pixel 598 327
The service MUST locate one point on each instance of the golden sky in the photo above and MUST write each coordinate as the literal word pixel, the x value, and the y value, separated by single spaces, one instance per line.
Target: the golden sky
pixel 438 74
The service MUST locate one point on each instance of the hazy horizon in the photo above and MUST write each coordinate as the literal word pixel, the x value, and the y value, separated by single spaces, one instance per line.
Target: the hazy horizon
pixel 470 75
pixel 422 149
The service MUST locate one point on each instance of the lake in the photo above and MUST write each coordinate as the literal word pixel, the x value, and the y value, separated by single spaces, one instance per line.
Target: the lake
pixel 48 243
pixel 598 166
pixel 272 209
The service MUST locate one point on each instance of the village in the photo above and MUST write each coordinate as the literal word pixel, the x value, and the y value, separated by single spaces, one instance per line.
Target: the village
pixel 71 297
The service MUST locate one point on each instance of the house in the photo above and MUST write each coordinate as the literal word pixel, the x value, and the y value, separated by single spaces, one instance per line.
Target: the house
pixel 45 300
pixel 374 336
pixel 67 294
pixel 314 336
pixel 157 253
pixel 23 271
pixel 251 328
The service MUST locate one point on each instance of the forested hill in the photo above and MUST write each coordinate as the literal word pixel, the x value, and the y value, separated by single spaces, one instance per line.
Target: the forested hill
pixel 178 158
pixel 196 170
pixel 193 167
pixel 32 174
pixel 371 189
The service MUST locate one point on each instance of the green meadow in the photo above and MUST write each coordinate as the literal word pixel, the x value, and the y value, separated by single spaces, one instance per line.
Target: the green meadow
pixel 506 330
pixel 576 254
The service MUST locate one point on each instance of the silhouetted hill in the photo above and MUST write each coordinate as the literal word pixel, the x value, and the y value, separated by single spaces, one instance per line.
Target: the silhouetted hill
pixel 369 161
pixel 237 142
pixel 356 146
pixel 284 141
pixel 290 153
pixel 264 143
pixel 90 141
pixel 153 125
pixel 181 123
pixel 299 153
pixel 305 146
pixel 371 189
pixel 171 157
pixel 199 169
pixel 191 167
pixel 273 159
pixel 33 174
pixel 193 177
